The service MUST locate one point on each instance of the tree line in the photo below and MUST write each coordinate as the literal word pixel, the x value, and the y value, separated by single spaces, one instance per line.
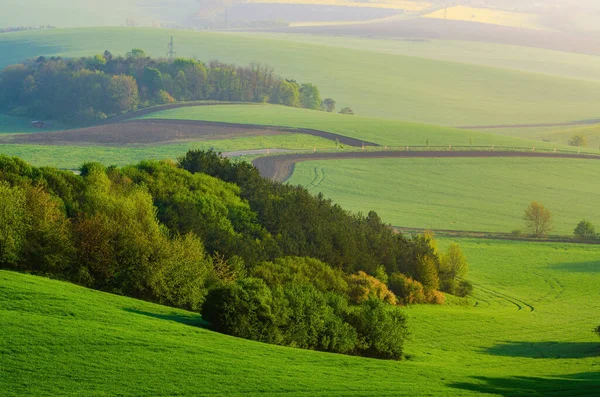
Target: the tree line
pixel 259 259
pixel 93 88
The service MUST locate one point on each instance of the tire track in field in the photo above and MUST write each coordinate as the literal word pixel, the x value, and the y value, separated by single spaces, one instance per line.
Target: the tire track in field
pixel 318 178
pixel 280 168
pixel 521 305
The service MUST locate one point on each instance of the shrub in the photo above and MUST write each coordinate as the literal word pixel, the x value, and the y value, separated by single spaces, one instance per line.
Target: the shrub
pixel 408 291
pixel 242 309
pixel 464 288
pixel 347 110
pixel 301 271
pixel 381 329
pixel 436 297
pixel 585 230
pixel 362 287
pixel 309 322
pixel 517 233
pixel 597 330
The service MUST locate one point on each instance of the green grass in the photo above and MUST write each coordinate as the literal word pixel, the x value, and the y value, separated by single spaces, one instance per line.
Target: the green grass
pixel 459 194
pixel 374 84
pixel 383 132
pixel 60 339
pixel 537 60
pixel 72 157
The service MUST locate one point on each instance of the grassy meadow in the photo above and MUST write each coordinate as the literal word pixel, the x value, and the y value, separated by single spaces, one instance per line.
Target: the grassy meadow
pixel 459 194
pixel 527 328
pixel 375 84
pixel 380 131
pixel 72 157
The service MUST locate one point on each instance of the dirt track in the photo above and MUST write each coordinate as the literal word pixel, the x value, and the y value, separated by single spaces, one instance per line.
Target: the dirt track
pixel 162 131
pixel 280 168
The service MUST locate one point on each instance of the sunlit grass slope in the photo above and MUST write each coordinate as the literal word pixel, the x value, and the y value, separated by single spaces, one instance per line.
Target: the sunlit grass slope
pixel 60 339
pixel 72 157
pixel 383 132
pixel 459 194
pixel 537 60
pixel 373 84
pixel 487 15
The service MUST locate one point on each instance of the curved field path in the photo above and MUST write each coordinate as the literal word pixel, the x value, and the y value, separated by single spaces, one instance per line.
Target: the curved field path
pixel 280 168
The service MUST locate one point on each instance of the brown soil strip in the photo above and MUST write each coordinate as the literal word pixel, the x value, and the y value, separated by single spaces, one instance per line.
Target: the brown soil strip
pixel 163 131
pixel 280 168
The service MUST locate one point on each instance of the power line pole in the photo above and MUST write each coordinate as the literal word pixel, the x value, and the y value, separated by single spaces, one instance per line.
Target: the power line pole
pixel 171 53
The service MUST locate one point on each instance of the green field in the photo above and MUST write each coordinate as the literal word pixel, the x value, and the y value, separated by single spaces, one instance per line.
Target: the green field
pixel 528 331
pixel 459 194
pixel 374 84
pixel 72 157
pixel 383 132
pixel 537 60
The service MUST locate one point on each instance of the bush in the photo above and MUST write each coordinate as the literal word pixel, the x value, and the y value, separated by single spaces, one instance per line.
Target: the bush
pixel 585 230
pixel 597 330
pixel 347 110
pixel 242 309
pixel 517 233
pixel 381 329
pixel 362 287
pixel 309 322
pixel 464 288
pixel 436 297
pixel 301 271
pixel 407 290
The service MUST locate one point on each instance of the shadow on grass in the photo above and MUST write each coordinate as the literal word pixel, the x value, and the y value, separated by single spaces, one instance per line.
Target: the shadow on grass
pixel 187 319
pixel 554 350
pixel 578 267
pixel 583 384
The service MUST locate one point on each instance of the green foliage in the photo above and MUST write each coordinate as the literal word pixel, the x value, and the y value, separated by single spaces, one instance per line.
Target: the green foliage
pixel 453 267
pixel 585 230
pixel 91 89
pixel 296 270
pixel 381 329
pixel 242 309
pixel 310 98
pixel 362 288
pixel 407 290
pixel 328 105
pixel 13 223
pixel 578 140
pixel 538 219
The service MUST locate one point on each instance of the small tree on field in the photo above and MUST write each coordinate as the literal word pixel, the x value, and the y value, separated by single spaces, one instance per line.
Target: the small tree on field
pixel 597 330
pixel 328 105
pixel 538 219
pixel 585 230
pixel 578 140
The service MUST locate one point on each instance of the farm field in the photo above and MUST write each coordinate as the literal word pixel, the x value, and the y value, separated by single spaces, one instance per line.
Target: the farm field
pixel 486 15
pixel 537 60
pixel 527 328
pixel 369 81
pixel 380 131
pixel 459 194
pixel 73 156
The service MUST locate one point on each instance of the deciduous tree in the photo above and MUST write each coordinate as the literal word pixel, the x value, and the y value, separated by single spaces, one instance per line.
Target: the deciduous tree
pixel 538 219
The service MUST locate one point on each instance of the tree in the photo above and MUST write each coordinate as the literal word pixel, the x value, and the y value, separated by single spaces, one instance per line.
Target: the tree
pixel 538 219
pixel 347 110
pixel 13 223
pixel 310 98
pixel 453 266
pixel 578 140
pixel 585 230
pixel 328 105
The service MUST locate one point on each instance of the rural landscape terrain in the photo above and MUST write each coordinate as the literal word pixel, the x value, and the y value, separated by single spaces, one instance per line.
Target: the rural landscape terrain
pixel 300 197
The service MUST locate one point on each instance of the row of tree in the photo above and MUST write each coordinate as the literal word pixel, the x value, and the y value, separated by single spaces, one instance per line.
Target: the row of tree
pixel 538 221
pixel 93 88
pixel 259 259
